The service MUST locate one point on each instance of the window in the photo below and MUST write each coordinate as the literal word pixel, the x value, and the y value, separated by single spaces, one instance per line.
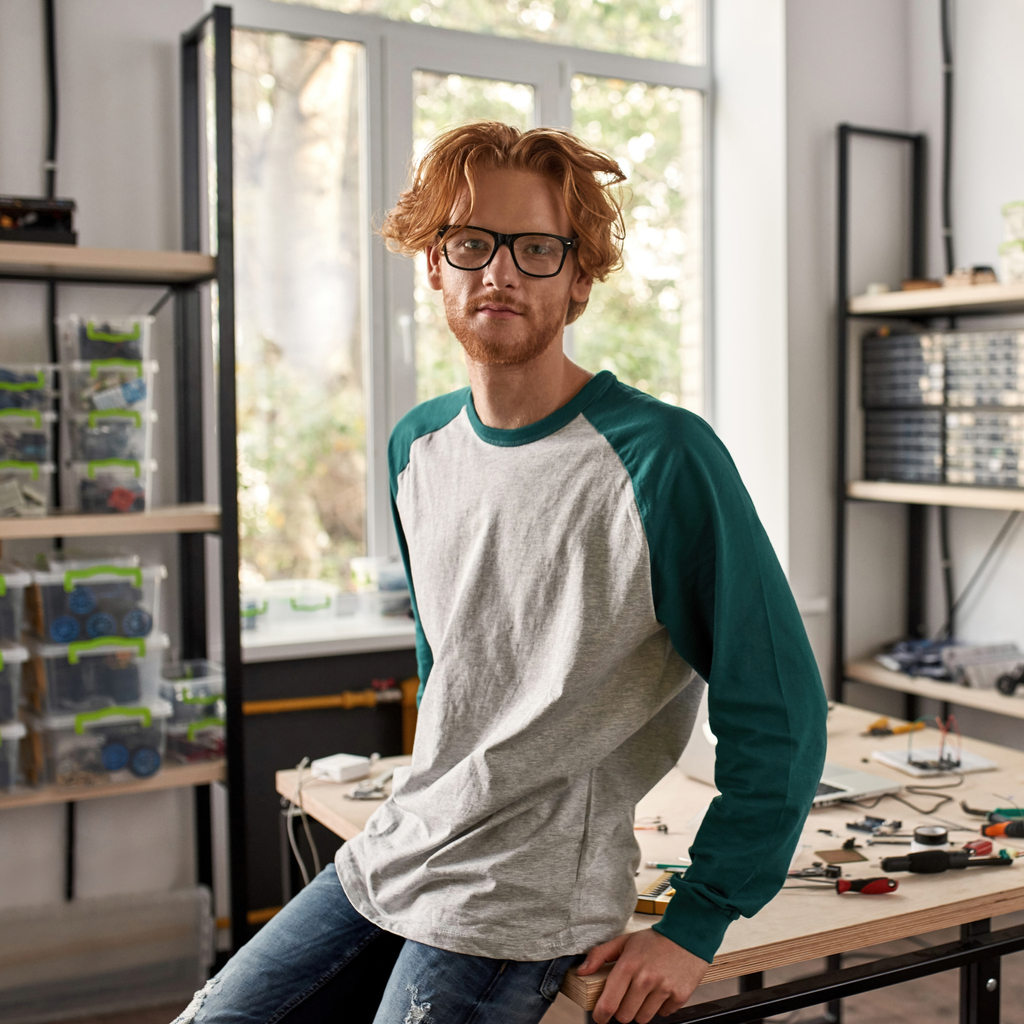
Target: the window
pixel 337 339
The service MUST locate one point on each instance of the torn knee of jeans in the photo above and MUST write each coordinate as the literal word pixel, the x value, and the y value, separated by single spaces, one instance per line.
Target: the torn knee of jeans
pixel 188 1015
pixel 419 1013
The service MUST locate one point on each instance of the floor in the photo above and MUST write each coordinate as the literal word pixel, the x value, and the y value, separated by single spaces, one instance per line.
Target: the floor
pixel 927 1000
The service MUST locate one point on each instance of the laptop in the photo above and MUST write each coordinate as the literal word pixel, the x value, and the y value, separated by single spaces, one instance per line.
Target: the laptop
pixel 837 783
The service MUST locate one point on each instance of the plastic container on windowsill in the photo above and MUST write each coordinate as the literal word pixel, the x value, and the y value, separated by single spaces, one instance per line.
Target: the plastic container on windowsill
pixel 26 435
pixel 25 487
pixel 287 604
pixel 105 337
pixel 12 735
pixel 101 385
pixel 26 386
pixel 114 743
pixel 111 486
pixel 90 675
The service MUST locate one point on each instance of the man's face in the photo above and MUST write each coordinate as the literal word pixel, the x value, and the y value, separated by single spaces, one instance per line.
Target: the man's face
pixel 500 315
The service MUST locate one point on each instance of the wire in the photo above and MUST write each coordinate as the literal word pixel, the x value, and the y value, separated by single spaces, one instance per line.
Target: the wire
pixel 946 631
pixel 161 302
pixel 917 790
pixel 50 166
pixel 296 803
pixel 947 133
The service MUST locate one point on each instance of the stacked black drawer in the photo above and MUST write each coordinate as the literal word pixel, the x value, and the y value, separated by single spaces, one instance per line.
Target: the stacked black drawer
pixel 944 407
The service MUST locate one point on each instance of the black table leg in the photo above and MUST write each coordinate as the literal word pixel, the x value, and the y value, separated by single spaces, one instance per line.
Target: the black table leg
pixel 979 982
pixel 834 1007
pixel 751 983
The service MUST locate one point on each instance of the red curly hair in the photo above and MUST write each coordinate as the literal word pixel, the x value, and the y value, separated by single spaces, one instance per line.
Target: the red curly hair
pixel 587 178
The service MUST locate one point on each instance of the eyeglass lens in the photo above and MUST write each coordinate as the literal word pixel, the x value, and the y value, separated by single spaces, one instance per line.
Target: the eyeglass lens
pixel 539 255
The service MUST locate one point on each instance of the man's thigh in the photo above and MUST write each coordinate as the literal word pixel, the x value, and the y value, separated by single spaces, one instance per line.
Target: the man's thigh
pixel 314 957
pixel 434 986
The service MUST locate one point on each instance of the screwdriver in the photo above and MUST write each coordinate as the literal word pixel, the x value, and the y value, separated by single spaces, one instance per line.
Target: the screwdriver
pixel 1014 829
pixel 931 862
pixel 865 886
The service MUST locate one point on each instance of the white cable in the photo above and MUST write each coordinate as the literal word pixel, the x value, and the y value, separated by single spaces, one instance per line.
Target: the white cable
pixel 305 820
pixel 291 814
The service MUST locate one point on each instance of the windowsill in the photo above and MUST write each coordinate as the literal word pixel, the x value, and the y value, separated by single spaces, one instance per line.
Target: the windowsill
pixel 348 635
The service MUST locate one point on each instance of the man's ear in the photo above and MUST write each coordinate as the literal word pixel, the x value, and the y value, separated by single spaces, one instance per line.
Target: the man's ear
pixel 581 286
pixel 434 266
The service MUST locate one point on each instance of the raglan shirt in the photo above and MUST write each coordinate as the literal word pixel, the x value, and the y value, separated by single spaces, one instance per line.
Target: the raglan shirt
pixel 574 583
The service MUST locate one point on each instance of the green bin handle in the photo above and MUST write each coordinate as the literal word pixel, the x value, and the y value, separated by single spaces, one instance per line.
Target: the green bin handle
pixel 107 463
pixel 3 585
pixel 26 385
pixel 29 414
pixel 114 336
pixel 81 646
pixel 109 414
pixel 15 464
pixel 108 364
pixel 1 661
pixel 94 716
pixel 210 698
pixel 203 723
pixel 251 613
pixel 73 575
pixel 297 607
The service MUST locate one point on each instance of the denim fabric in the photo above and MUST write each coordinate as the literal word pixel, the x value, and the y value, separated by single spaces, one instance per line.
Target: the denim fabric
pixel 319 960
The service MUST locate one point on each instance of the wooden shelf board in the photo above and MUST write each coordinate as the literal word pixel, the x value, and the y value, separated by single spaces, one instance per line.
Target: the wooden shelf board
pixel 964 696
pixel 1006 499
pixel 48 262
pixel 979 298
pixel 172 777
pixel 172 519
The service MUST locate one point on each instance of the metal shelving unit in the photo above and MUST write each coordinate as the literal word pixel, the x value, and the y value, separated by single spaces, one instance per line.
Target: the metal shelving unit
pixel 916 307
pixel 182 272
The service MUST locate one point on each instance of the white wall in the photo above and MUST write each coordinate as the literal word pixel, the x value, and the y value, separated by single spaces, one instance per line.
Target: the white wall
pixel 119 159
pixel 749 182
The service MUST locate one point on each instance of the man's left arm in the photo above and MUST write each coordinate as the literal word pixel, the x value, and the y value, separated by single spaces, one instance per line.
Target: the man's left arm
pixel 720 591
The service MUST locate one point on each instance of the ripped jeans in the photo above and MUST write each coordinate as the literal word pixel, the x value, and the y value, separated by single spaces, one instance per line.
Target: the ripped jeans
pixel 320 961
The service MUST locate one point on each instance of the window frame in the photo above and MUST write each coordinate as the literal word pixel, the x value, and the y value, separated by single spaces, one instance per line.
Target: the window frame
pixel 393 51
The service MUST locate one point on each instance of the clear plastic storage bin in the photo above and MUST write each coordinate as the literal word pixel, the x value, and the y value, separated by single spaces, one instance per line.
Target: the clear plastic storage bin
pixel 110 434
pixel 25 487
pixel 110 743
pixel 193 689
pixel 105 337
pixel 26 386
pixel 104 384
pixel 91 675
pixel 13 581
pixel 11 736
pixel 284 604
pixel 110 486
pixel 381 587
pixel 85 599
pixel 12 658
pixel 26 435
pixel 202 740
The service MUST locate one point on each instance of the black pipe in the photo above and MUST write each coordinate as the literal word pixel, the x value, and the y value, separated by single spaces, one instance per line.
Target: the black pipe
pixel 50 166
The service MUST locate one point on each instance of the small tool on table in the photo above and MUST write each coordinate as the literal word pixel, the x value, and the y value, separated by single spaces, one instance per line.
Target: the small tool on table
pixel 864 886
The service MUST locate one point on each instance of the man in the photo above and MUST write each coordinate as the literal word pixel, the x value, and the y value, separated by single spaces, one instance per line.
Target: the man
pixel 581 556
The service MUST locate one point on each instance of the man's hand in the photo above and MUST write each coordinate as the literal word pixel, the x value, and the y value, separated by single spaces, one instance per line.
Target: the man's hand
pixel 652 976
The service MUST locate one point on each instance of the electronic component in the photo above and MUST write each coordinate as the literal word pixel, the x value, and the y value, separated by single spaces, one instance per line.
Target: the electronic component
pixel 25 219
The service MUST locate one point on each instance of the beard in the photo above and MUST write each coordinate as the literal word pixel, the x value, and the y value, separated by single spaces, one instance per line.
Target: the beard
pixel 509 350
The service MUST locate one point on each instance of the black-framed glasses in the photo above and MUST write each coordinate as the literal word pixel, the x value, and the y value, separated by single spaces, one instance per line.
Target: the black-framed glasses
pixel 534 254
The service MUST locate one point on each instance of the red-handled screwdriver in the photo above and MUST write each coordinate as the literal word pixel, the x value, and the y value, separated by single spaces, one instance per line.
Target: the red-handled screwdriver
pixel 865 886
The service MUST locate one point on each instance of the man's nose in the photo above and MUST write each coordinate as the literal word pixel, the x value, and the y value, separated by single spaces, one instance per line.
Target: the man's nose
pixel 502 272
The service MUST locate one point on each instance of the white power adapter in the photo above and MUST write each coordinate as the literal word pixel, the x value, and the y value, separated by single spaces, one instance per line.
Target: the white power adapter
pixel 343 767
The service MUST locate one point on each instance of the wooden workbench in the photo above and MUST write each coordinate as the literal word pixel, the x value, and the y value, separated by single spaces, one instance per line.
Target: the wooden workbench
pixel 800 924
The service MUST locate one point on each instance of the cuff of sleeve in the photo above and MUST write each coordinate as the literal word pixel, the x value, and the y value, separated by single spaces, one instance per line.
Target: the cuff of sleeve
pixel 694 922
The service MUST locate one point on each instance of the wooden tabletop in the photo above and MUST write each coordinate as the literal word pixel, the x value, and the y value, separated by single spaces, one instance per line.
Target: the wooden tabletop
pixel 799 924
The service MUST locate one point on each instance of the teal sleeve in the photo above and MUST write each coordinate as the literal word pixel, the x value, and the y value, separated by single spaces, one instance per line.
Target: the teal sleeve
pixel 720 591
pixel 422 420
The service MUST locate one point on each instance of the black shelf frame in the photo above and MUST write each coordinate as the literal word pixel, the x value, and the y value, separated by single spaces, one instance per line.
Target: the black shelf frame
pixel 916 514
pixel 214 29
